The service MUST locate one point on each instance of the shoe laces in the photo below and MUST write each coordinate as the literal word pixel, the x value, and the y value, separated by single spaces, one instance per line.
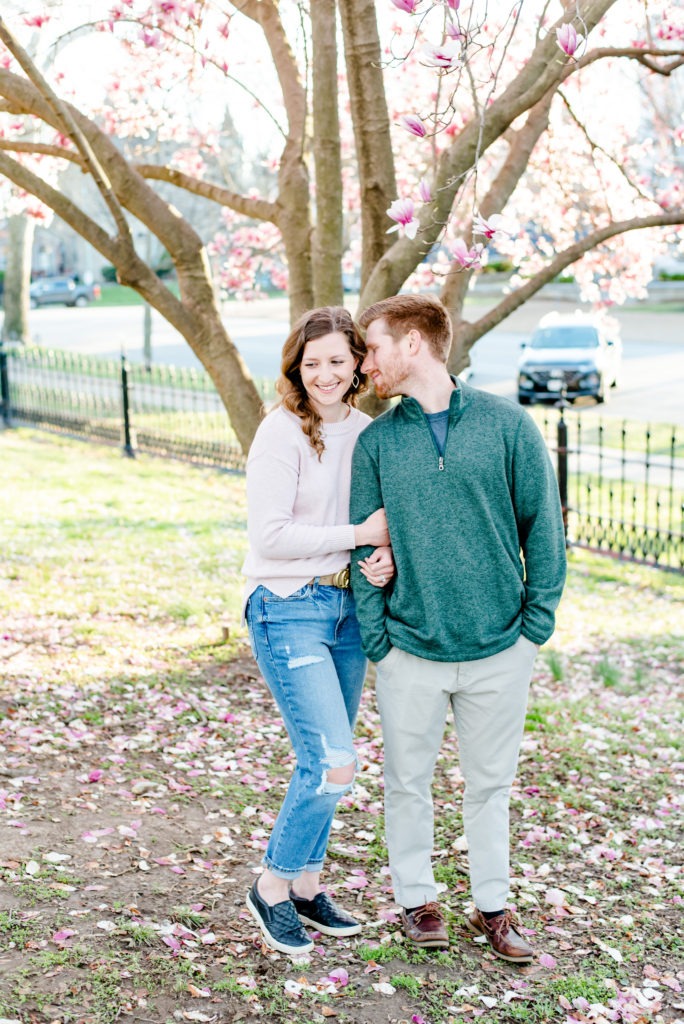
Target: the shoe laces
pixel 428 910
pixel 500 925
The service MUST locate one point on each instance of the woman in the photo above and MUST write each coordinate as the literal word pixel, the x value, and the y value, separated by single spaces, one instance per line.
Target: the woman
pixel 300 610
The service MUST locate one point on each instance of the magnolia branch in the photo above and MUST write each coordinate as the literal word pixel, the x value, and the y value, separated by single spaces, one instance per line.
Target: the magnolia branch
pixel 470 332
pixel 259 209
pixel 113 249
pixel 42 149
pixel 638 53
pixel 70 128
pixel 534 80
pixel 502 188
pixel 96 25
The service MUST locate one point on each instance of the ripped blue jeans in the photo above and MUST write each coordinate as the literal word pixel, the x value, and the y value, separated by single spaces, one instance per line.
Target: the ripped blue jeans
pixel 308 649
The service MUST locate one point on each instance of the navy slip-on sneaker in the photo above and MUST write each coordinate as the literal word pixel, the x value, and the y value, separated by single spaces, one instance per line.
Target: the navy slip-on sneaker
pixel 280 925
pixel 323 915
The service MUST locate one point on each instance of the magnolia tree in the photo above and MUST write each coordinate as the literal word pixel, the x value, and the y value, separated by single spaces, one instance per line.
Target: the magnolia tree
pixel 443 131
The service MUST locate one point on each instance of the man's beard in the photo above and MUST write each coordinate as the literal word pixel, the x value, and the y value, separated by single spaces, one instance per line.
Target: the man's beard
pixel 391 383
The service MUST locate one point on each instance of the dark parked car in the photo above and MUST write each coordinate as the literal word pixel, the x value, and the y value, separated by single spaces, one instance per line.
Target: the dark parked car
pixel 579 355
pixel 64 291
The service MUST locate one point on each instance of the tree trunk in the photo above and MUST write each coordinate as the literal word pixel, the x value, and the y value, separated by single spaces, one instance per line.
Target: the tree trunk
pixel 20 230
pixel 371 128
pixel 327 245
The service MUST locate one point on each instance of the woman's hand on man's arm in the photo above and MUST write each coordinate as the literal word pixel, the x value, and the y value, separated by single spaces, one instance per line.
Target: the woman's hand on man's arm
pixel 379 567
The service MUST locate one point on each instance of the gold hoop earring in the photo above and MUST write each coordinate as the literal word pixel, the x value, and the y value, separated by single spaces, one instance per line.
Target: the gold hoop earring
pixel 355 381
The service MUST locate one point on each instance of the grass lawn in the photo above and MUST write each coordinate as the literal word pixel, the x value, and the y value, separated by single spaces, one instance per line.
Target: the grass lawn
pixel 113 294
pixel 142 764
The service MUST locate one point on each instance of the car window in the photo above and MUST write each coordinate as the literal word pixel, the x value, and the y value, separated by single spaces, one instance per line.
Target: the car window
pixel 579 336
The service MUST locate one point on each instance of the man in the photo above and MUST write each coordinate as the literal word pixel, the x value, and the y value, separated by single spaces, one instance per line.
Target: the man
pixel 475 523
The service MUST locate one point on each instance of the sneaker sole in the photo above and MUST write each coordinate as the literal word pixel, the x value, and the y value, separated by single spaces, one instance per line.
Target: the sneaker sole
pixel 340 933
pixel 272 943
pixel 481 936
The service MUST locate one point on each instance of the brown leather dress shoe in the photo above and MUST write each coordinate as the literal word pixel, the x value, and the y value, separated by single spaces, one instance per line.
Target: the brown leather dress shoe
pixel 425 926
pixel 501 936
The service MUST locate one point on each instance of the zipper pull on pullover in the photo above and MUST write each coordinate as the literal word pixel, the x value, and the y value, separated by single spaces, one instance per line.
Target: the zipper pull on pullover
pixel 441 463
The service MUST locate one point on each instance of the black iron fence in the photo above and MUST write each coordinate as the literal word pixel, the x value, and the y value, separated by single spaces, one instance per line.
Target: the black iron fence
pixel 621 484
pixel 165 410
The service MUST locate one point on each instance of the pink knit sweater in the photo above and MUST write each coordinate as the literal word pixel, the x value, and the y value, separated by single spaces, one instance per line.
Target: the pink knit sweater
pixel 297 506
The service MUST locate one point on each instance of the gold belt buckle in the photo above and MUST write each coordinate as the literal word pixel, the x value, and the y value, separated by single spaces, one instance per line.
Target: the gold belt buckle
pixel 341 578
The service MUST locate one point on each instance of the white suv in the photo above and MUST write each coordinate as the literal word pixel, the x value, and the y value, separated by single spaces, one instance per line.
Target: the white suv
pixel 572 355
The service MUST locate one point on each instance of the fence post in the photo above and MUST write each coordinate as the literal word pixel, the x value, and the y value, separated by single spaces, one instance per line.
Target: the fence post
pixel 127 446
pixel 4 387
pixel 562 455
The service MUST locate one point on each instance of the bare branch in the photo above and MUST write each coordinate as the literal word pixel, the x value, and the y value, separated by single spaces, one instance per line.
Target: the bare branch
pixel 596 146
pixel 640 54
pixel 42 149
pixel 265 13
pixel 259 209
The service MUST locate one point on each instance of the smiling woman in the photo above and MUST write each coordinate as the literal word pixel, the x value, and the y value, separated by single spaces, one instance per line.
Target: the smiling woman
pixel 301 613
pixel 328 373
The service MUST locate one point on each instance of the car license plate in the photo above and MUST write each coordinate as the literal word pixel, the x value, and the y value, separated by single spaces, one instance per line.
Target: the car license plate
pixel 555 385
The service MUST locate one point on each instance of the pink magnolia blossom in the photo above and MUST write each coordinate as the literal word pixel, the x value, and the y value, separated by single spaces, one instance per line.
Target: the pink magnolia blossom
pixel 493 226
pixel 409 6
pixel 402 211
pixel 37 20
pixel 469 259
pixel 152 39
pixel 567 38
pixel 412 123
pixel 424 191
pixel 339 976
pixel 446 56
pixel 453 4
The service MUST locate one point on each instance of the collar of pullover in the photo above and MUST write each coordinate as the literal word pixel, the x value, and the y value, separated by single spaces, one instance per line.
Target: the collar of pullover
pixel 414 410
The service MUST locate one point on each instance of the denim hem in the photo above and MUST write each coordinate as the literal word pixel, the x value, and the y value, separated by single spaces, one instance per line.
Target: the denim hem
pixel 313 867
pixel 282 872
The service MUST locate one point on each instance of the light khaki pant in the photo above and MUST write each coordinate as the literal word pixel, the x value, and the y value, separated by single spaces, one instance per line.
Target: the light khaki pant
pixel 489 700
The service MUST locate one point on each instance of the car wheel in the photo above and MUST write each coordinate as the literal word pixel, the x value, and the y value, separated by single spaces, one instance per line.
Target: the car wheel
pixel 524 399
pixel 33 304
pixel 81 301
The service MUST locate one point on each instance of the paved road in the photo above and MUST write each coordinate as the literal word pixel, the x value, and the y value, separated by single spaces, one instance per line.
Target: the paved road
pixel 651 389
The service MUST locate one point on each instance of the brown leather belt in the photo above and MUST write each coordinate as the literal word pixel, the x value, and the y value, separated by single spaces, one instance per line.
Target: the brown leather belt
pixel 334 579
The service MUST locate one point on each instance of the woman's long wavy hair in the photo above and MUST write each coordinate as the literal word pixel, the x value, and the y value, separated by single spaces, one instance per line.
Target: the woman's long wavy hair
pixel 316 324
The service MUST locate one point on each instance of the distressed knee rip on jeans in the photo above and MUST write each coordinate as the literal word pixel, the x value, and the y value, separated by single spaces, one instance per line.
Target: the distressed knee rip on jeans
pixel 336 759
pixel 302 662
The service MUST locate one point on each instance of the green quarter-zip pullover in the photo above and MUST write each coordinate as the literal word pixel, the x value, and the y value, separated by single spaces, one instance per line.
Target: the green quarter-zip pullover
pixel 477 533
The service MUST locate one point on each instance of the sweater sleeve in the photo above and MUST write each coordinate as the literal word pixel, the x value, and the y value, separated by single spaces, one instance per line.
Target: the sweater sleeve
pixel 272 529
pixel 366 497
pixel 540 529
